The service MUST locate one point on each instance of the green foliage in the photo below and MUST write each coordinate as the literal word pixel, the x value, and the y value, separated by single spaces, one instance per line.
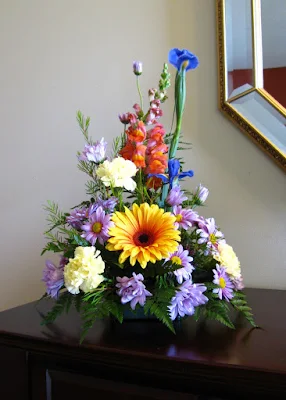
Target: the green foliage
pixel 96 305
pixel 158 305
pixel 218 310
pixel 63 304
pixel 117 144
pixel 55 217
pixel 240 304
pixel 84 125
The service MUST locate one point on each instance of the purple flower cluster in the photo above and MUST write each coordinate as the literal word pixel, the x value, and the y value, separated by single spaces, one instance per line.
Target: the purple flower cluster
pixel 79 216
pixel 176 196
pixel 54 277
pixel 185 217
pixel 95 152
pixel 209 234
pixel 76 217
pixel 189 296
pixel 97 227
pixel 182 257
pixel 132 290
pixel 225 285
pixel 201 193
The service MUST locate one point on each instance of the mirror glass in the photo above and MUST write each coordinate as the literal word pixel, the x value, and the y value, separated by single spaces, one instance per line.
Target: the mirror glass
pixel 252 70
pixel 239 52
pixel 273 24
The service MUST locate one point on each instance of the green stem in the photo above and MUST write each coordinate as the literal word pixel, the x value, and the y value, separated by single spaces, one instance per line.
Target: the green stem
pixel 139 91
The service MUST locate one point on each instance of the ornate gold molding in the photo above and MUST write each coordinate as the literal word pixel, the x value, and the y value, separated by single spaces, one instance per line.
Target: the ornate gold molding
pixel 245 126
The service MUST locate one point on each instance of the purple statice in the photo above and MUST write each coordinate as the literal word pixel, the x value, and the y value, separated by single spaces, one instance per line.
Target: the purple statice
pixel 108 204
pixel 185 217
pixel 176 196
pixel 94 152
pixel 238 283
pixel 97 227
pixel 225 285
pixel 137 67
pixel 181 257
pixel 76 217
pixel 132 290
pixel 188 296
pixel 201 193
pixel 209 234
pixel 54 278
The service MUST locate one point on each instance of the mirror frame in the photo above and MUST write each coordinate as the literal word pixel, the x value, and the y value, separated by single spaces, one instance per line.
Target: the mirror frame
pixel 225 105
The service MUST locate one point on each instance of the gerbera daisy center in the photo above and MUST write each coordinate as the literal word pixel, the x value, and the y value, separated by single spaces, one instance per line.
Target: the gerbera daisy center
pixel 96 227
pixel 143 239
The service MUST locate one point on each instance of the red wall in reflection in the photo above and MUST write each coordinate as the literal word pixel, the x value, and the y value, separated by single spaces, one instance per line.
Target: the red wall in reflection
pixel 274 81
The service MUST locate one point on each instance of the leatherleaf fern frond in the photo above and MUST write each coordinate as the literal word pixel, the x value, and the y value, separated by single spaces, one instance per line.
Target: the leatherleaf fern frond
pixel 158 305
pixel 98 304
pixel 240 304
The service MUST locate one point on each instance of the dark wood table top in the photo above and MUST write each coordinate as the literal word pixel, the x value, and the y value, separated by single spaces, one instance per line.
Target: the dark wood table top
pixel 201 344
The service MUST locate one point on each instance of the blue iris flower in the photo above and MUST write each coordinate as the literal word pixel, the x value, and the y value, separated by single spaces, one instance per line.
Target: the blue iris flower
pixel 174 173
pixel 177 57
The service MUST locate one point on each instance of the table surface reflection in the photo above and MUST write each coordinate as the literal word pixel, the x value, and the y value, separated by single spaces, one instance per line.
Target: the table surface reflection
pixel 204 343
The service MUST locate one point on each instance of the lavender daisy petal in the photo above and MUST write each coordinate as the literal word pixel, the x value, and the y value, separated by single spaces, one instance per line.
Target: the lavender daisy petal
pixel 176 196
pixel 188 296
pixel 53 278
pixel 132 290
pixel 225 285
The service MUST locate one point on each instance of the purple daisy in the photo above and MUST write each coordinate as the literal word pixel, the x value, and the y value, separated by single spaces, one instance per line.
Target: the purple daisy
pixel 201 193
pixel 189 296
pixel 132 289
pixel 185 218
pixel 176 196
pixel 95 152
pixel 109 204
pixel 54 278
pixel 181 257
pixel 76 217
pixel 209 234
pixel 225 289
pixel 97 227
pixel 238 283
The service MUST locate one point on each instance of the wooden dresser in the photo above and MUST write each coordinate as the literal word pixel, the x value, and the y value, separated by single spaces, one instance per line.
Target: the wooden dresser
pixel 143 360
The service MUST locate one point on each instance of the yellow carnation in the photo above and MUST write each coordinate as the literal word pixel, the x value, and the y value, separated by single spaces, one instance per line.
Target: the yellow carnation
pixel 84 270
pixel 228 259
pixel 118 173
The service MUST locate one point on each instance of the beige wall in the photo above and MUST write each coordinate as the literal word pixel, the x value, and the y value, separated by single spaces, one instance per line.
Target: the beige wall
pixel 62 55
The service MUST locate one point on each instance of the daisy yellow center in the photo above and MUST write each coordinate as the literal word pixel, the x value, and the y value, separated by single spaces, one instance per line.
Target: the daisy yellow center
pixel 222 283
pixel 179 217
pixel 212 238
pixel 96 227
pixel 176 260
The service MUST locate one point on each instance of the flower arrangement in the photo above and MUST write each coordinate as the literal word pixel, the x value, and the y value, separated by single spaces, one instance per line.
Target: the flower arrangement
pixel 138 241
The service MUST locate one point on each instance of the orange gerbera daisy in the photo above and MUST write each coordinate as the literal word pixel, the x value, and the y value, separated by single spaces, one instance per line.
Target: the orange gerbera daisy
pixel 145 233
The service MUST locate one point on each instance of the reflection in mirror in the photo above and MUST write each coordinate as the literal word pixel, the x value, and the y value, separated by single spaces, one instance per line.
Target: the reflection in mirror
pixel 261 114
pixel 239 53
pixel 273 22
pixel 252 70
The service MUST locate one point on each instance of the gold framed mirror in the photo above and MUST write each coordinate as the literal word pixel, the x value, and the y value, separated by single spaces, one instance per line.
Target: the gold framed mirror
pixel 251 37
